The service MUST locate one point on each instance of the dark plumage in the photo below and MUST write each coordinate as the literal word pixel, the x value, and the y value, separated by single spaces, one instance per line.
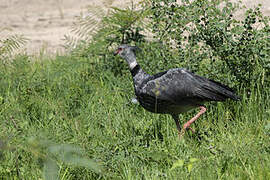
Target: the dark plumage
pixel 174 91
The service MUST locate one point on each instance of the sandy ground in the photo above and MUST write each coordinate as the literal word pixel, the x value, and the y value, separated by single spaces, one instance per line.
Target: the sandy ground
pixel 45 22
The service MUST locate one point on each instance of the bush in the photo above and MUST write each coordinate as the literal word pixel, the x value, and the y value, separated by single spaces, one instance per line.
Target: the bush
pixel 117 27
pixel 202 36
pixel 210 39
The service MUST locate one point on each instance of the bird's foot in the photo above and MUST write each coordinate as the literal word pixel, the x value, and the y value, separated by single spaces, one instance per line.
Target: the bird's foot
pixel 181 134
pixel 183 130
pixel 192 120
pixel 192 130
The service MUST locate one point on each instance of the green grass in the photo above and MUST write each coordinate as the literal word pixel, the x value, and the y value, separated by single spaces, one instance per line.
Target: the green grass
pixel 68 101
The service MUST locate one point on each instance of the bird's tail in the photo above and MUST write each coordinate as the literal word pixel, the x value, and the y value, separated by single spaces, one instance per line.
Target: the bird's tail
pixel 220 92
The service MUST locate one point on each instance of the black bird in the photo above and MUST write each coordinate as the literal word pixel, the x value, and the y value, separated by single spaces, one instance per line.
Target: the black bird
pixel 174 91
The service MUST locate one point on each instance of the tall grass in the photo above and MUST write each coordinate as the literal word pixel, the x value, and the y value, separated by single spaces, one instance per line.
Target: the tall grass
pixel 65 101
pixel 71 117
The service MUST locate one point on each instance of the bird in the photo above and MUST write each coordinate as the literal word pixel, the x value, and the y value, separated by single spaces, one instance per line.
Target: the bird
pixel 174 91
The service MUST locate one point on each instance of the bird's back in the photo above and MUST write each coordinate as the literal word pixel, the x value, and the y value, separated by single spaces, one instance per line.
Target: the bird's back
pixel 178 90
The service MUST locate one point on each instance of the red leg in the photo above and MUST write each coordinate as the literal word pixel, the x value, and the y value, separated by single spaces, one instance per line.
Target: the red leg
pixel 192 120
pixel 176 119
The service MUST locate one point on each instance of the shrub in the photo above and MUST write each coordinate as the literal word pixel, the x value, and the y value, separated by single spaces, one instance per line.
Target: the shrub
pixel 202 36
pixel 210 39
pixel 117 27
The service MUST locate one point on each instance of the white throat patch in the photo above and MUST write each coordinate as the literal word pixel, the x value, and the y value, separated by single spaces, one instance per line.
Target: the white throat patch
pixel 132 65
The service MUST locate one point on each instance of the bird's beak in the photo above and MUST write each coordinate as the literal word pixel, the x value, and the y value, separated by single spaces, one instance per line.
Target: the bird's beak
pixel 116 52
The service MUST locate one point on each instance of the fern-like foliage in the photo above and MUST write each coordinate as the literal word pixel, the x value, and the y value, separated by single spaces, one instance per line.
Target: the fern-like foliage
pixel 86 25
pixel 9 45
pixel 110 24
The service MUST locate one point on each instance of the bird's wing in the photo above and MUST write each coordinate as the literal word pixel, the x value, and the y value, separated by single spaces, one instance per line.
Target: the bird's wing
pixel 178 85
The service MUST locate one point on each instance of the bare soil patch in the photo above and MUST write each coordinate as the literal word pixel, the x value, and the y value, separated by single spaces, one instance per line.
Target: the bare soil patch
pixel 45 23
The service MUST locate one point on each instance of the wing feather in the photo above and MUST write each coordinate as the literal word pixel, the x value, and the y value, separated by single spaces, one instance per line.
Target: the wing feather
pixel 180 85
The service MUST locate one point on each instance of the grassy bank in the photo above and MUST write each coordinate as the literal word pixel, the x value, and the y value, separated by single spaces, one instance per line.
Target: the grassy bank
pixel 71 117
pixel 65 101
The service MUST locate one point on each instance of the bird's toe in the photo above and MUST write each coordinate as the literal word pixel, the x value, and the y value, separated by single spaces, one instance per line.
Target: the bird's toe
pixel 192 130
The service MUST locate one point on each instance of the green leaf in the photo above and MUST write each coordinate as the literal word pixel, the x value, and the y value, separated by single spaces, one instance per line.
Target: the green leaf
pixel 83 162
pixel 64 148
pixel 267 127
pixel 74 156
pixel 189 166
pixel 177 164
pixel 50 170
pixel 192 160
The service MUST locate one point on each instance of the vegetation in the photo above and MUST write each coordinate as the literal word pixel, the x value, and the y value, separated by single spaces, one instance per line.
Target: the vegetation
pixel 9 45
pixel 71 117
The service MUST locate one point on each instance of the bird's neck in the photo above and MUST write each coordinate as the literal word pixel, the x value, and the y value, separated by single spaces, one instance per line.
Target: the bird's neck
pixel 135 69
pixel 132 65
pixel 131 60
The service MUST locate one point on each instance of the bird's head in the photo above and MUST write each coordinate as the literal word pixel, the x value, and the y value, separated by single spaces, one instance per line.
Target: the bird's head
pixel 125 51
